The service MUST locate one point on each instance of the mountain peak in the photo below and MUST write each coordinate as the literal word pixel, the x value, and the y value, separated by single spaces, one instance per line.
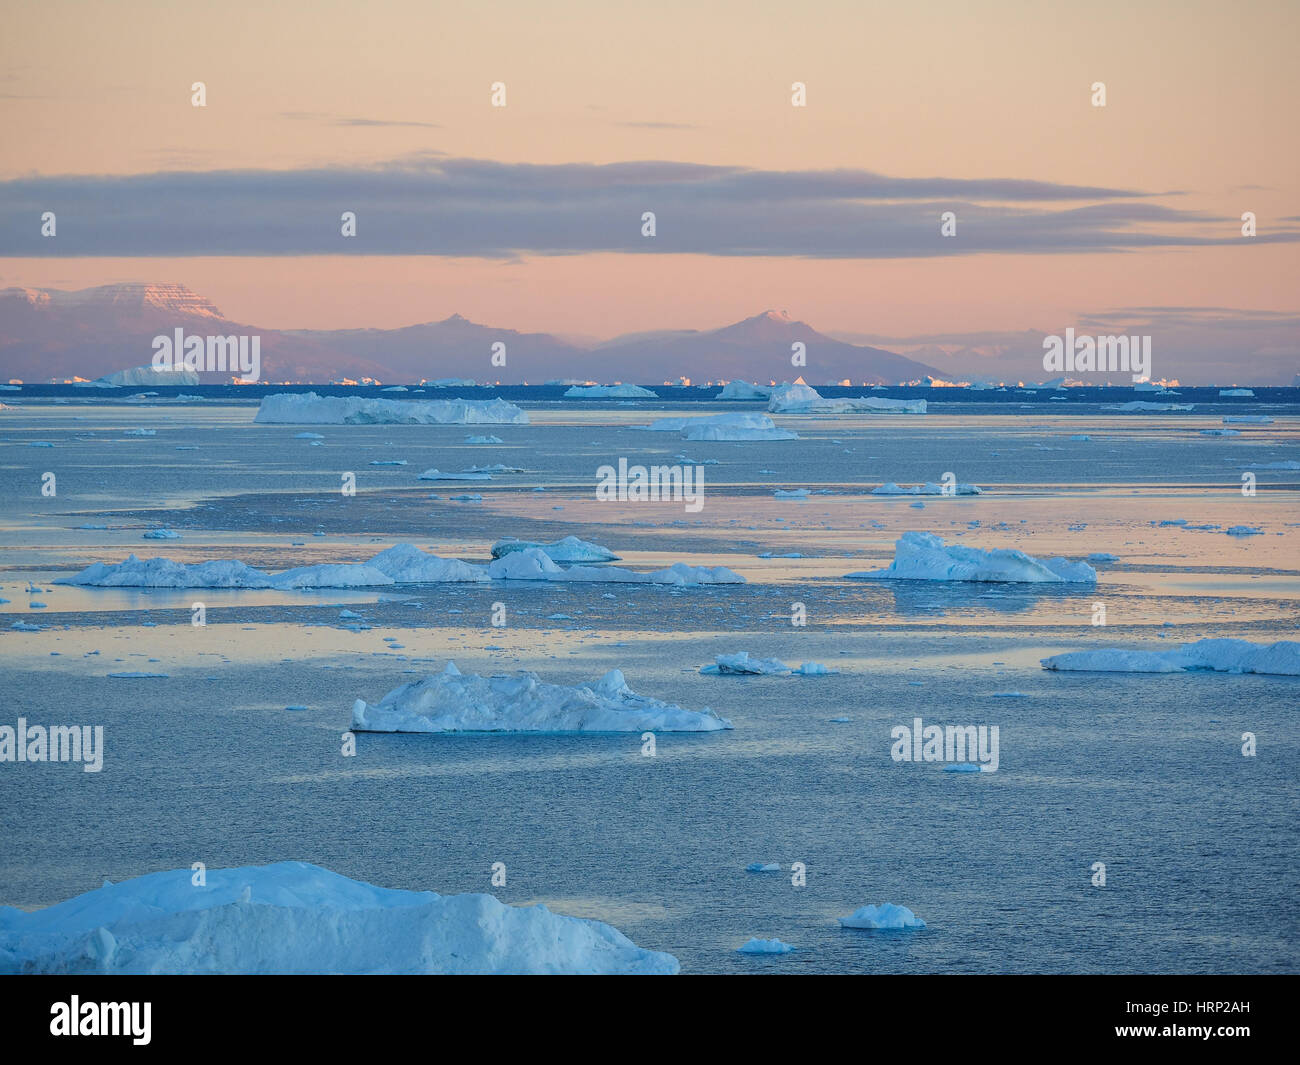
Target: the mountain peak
pixel 170 298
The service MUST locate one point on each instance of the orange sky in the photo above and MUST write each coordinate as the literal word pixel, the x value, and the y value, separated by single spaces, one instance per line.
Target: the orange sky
pixel 1202 99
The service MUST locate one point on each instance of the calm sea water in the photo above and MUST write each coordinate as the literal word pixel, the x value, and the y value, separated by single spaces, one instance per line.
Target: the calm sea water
pixel 1142 773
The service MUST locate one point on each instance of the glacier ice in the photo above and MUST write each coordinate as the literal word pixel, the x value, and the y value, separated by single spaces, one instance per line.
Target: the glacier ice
pixel 921 556
pixel 454 702
pixel 1218 656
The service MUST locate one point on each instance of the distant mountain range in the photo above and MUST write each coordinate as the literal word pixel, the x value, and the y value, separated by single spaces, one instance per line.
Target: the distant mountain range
pixel 50 334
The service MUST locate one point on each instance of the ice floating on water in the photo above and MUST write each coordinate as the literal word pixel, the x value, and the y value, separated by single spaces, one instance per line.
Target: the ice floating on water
pixel 484 440
pixel 148 375
pixel 792 493
pixel 1102 556
pixel 570 549
pixel 1153 408
pixel 730 427
pixel 927 489
pixel 533 564
pixel 803 399
pixel 1247 419
pixel 453 702
pixel 763 867
pixel 1244 530
pixel 438 475
pixel 765 946
pixel 1220 432
pixel 744 390
pixel 814 669
pixel 292 408
pixel 609 392
pixel 921 556
pixel 1218 656
pixel 886 915
pixel 1236 392
pixel 161 534
pixel 740 664
pixel 407 564
pixel 293 917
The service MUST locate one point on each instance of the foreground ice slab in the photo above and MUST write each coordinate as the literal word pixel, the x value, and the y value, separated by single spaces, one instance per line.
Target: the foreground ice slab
pixel 292 917
pixel 570 549
pixel 920 556
pixel 804 399
pixel 292 408
pixel 1217 656
pixel 453 702
pixel 886 915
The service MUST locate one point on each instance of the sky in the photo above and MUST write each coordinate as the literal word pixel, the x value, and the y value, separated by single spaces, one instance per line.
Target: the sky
pixel 529 216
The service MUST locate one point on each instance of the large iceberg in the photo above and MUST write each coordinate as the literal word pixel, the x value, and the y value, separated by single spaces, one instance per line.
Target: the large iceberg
pixel 293 917
pixel 609 392
pixel 147 375
pixel 1218 656
pixel 724 427
pixel 744 390
pixel 453 702
pixel 295 408
pixel 407 564
pixel 804 399
pixel 164 573
pixel 570 549
pixel 921 556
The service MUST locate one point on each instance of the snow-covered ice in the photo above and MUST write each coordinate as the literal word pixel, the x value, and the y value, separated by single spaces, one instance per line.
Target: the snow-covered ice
pixel 454 702
pixel 765 946
pixel 744 390
pixel 803 399
pixel 886 915
pixel 922 556
pixel 1218 656
pixel 293 917
pixel 295 408
pixel 609 392
pixel 741 664
pixel 570 549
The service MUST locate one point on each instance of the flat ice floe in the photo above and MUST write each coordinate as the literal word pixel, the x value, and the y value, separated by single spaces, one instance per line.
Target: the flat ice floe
pixel 742 665
pixel 927 489
pixel 803 399
pixel 886 915
pixel 609 392
pixel 921 556
pixel 533 564
pixel 570 549
pixel 293 917
pixel 294 408
pixel 765 946
pixel 1142 406
pixel 723 427
pixel 453 702
pixel 1216 656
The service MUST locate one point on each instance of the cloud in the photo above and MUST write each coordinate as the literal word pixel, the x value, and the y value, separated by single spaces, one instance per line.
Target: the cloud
pixel 345 120
pixel 429 204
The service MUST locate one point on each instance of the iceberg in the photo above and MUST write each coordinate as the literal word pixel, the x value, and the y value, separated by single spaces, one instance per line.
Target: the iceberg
pixel 438 475
pixel 1216 656
pixel 1138 405
pixel 484 440
pixel 723 427
pixel 407 564
pixel 533 564
pixel 570 549
pixel 765 946
pixel 1236 392
pixel 164 573
pixel 453 702
pixel 294 917
pixel 147 375
pixel 741 664
pixel 921 556
pixel 1247 419
pixel 886 915
pixel 294 408
pixel 763 867
pixel 609 392
pixel 927 489
pixel 744 390
pixel 803 399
